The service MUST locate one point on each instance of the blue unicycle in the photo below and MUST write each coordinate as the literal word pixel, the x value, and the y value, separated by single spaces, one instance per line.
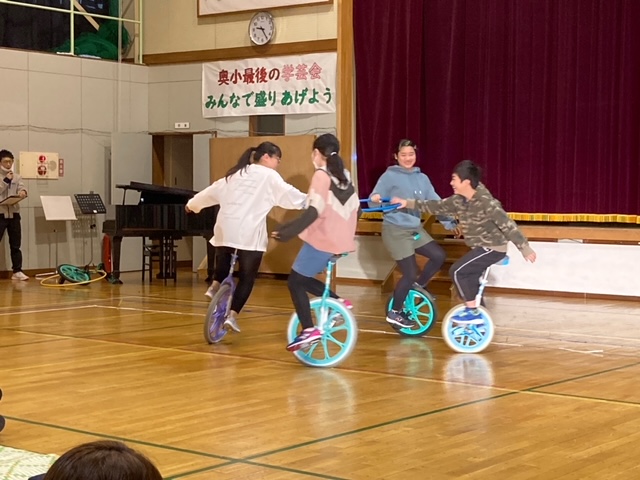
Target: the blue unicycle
pixel 220 306
pixel 335 321
pixel 470 337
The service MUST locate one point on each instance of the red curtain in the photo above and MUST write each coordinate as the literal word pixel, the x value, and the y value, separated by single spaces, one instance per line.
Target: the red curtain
pixel 543 94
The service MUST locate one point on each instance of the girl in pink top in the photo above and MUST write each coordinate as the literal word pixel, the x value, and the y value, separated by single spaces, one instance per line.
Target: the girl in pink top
pixel 327 227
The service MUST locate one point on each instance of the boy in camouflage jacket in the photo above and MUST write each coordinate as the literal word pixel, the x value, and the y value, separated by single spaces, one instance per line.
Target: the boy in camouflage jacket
pixel 486 228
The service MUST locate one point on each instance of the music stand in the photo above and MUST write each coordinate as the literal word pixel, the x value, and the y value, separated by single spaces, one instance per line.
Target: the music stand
pixel 57 208
pixel 90 204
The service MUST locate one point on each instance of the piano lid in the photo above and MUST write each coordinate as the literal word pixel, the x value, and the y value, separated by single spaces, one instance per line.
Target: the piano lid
pixel 158 194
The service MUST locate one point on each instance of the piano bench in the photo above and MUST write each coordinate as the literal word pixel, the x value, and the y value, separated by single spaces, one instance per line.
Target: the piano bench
pixel 153 253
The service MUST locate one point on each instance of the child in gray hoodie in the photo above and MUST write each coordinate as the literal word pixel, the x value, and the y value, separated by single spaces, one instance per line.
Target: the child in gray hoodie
pixel 402 231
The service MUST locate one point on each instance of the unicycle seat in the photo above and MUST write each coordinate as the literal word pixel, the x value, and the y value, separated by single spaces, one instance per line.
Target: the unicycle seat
pixel 504 261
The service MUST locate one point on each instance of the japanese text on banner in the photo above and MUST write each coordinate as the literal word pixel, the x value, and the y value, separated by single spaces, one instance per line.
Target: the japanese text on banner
pixel 270 86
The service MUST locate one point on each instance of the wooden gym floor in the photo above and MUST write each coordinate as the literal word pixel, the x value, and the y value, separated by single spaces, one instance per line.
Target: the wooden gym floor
pixel 555 396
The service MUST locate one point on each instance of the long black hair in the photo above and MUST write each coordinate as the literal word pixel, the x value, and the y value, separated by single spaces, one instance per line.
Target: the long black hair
pixel 329 146
pixel 252 155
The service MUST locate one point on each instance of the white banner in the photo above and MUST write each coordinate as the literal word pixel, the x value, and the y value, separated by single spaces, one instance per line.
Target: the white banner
pixel 270 86
pixel 213 7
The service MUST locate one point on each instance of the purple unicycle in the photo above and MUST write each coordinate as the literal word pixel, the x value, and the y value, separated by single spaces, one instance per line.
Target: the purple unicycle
pixel 219 307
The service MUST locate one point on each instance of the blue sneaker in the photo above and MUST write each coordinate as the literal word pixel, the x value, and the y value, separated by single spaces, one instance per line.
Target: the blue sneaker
pixel 469 315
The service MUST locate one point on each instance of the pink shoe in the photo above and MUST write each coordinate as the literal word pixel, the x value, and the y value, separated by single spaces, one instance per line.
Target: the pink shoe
pixel 346 303
pixel 305 339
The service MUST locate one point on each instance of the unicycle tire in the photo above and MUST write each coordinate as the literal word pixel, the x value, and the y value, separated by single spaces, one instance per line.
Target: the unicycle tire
pixel 339 337
pixel 214 321
pixel 2 423
pixel 467 338
pixel 421 308
pixel 73 274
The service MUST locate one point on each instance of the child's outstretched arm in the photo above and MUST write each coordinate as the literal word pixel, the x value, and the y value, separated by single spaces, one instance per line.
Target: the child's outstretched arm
pixel 316 204
pixel 510 230
pixel 435 207
pixel 206 198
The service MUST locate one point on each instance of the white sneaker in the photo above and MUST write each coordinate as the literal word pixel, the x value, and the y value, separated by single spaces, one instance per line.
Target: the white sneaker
pixel 231 323
pixel 211 291
pixel 19 276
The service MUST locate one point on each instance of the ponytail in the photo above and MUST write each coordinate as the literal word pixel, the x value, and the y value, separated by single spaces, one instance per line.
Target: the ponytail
pixel 243 163
pixel 335 165
pixel 253 154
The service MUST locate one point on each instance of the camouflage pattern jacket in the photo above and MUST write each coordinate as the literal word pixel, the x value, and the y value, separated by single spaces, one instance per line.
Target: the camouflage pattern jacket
pixel 483 221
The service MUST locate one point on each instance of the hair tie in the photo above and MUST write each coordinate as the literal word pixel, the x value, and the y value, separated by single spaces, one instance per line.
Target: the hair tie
pixel 333 153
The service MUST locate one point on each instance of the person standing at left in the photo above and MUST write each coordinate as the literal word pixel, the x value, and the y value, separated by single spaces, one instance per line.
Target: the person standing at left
pixel 11 184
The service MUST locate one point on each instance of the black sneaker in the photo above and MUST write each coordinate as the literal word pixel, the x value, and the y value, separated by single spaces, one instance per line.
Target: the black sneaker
pixel 399 319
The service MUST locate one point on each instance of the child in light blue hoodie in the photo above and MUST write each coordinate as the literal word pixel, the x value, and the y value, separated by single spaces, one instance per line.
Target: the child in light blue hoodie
pixel 402 231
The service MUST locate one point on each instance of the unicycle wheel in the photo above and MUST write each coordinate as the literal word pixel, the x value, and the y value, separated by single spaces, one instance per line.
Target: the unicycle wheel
pixel 421 308
pixel 340 334
pixel 2 423
pixel 467 338
pixel 73 274
pixel 214 321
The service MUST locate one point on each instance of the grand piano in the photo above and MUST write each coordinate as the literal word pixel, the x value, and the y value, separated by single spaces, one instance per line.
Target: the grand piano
pixel 159 215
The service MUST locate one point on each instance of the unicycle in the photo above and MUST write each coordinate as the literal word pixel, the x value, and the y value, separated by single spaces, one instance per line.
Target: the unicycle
pixel 420 306
pixel 470 337
pixel 220 306
pixel 335 321
pixel 72 274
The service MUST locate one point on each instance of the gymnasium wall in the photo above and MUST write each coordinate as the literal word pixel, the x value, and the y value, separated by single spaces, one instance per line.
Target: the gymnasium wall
pixel 70 106
pixel 173 26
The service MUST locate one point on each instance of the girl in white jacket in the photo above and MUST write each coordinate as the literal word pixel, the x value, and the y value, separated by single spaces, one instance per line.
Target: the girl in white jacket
pixel 246 195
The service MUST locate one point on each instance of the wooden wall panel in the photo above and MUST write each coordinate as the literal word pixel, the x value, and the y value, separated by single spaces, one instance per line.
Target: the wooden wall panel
pixel 296 168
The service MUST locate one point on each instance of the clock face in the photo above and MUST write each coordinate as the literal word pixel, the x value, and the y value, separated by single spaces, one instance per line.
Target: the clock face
pixel 262 28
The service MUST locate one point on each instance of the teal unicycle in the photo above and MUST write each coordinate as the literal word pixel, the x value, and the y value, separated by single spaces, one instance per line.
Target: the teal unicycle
pixel 471 337
pixel 220 306
pixel 335 321
pixel 73 274
pixel 420 307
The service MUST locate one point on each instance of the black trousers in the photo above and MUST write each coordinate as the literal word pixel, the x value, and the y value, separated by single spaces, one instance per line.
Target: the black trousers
pixel 409 268
pixel 248 265
pixel 12 226
pixel 466 272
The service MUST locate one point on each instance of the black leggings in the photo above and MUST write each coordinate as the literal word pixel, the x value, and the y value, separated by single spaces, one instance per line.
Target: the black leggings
pixel 466 272
pixel 409 268
pixel 248 265
pixel 299 286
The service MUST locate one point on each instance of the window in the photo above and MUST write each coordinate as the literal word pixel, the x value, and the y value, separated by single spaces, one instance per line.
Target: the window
pixel 100 30
pixel 266 125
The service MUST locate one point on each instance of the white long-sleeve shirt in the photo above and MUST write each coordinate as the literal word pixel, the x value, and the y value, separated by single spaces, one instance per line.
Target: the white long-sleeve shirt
pixel 245 199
